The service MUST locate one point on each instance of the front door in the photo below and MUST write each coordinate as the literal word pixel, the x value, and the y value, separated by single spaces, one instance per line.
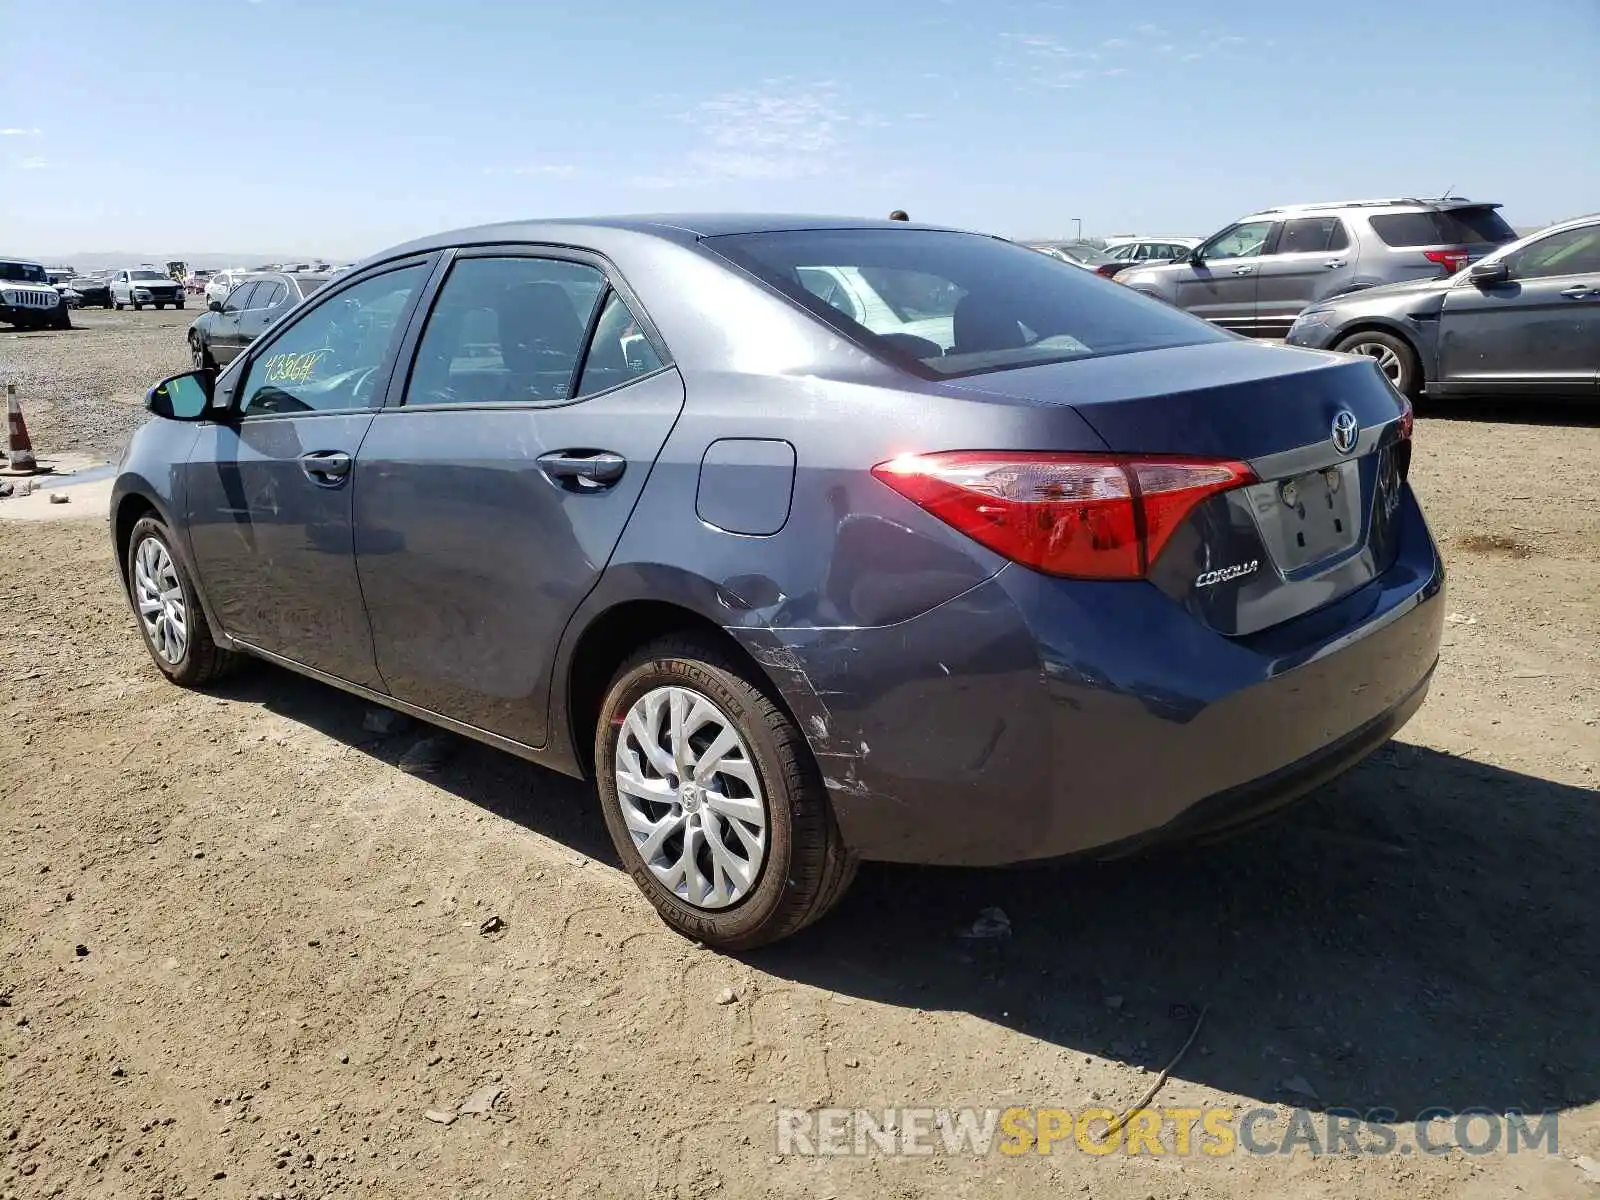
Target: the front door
pixel 1538 331
pixel 268 489
pixel 1222 288
pixel 1311 257
pixel 225 343
pixel 489 501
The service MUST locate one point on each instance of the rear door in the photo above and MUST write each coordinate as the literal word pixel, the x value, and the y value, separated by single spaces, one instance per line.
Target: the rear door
pixel 1223 287
pixel 1311 257
pixel 494 486
pixel 1539 331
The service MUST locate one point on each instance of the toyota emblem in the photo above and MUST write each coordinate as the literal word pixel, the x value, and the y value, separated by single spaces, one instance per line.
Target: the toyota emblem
pixel 1345 431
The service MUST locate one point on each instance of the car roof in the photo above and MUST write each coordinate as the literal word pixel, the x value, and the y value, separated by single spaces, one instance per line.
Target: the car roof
pixel 677 227
pixel 1392 204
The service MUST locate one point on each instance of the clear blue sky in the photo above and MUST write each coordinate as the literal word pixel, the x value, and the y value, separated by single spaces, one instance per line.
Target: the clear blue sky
pixel 341 126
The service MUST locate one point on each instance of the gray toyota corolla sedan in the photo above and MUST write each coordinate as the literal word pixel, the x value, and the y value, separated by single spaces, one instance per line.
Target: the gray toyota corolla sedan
pixel 810 541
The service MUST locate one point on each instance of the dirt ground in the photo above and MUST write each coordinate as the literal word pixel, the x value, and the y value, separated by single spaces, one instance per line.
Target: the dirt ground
pixel 240 951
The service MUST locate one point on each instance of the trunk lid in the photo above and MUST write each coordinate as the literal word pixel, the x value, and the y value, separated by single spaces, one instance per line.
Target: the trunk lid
pixel 1318 525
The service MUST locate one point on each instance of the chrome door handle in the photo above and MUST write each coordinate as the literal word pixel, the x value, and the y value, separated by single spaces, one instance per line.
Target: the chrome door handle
pixel 326 467
pixel 1577 292
pixel 1334 262
pixel 1243 270
pixel 586 469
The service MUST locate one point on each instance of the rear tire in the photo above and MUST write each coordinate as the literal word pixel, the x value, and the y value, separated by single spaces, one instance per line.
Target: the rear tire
pixel 1394 356
pixel 804 867
pixel 191 659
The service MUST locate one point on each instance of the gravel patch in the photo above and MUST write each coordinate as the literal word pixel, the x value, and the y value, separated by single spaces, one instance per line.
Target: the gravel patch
pixel 82 389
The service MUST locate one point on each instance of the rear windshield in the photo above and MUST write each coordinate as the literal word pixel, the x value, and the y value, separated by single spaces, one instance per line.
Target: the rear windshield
pixel 1453 227
pixel 949 304
pixel 309 283
pixel 20 272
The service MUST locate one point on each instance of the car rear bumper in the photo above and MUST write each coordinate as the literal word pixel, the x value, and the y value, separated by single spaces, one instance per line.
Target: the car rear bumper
pixel 1034 717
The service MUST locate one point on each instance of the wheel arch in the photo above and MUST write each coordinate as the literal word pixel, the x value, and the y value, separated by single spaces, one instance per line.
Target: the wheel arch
pixel 1381 325
pixel 616 632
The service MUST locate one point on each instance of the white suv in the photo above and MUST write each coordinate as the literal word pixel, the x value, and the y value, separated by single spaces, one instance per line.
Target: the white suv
pixel 138 286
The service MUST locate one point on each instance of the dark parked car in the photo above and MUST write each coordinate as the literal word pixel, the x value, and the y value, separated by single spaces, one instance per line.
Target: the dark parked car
pixel 229 325
pixel 1524 320
pixel 627 498
pixel 94 291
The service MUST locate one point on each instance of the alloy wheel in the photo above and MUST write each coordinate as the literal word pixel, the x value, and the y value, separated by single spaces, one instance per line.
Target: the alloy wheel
pixel 158 594
pixel 1388 361
pixel 691 798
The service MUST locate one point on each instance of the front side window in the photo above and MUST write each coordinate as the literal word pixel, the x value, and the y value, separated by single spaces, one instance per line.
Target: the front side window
pixel 329 359
pixel 947 304
pixel 505 331
pixel 1571 252
pixel 1241 241
pixel 241 298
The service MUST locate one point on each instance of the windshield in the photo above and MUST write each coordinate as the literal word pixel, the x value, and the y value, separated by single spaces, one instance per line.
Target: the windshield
pixel 146 275
pixel 948 304
pixel 21 272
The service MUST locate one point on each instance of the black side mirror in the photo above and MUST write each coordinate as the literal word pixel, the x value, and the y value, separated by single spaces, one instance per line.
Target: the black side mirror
pixel 185 397
pixel 1488 274
pixel 1194 258
pixel 214 305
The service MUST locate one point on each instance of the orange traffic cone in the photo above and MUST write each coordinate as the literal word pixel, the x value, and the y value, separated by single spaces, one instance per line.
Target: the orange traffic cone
pixel 19 443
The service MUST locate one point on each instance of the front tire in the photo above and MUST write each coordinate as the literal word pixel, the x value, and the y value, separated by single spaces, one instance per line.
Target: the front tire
pixel 1394 356
pixel 712 798
pixel 170 618
pixel 62 319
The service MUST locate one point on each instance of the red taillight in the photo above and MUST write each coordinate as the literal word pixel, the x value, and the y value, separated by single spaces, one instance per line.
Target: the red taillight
pixel 1450 260
pixel 1109 269
pixel 1407 418
pixel 1086 516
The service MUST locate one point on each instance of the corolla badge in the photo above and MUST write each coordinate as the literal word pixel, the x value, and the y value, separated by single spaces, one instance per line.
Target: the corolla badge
pixel 1224 574
pixel 1345 431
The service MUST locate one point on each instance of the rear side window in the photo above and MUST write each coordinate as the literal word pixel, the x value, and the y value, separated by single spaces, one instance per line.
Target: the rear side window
pixel 268 295
pixel 619 351
pixel 505 331
pixel 1312 235
pixel 1459 226
pixel 950 304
